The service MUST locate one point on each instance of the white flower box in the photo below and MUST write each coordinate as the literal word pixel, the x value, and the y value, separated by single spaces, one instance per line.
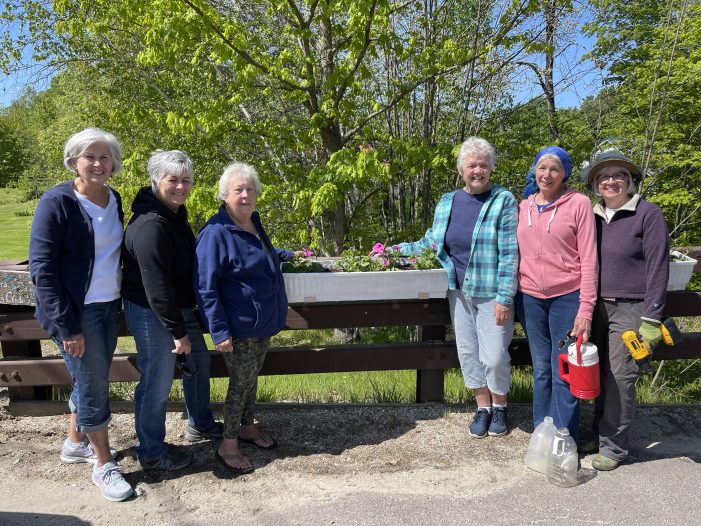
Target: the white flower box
pixel 680 271
pixel 317 287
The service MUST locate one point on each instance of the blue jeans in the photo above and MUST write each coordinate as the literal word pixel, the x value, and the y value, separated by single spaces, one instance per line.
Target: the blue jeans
pixel 90 396
pixel 483 346
pixel 546 322
pixel 156 363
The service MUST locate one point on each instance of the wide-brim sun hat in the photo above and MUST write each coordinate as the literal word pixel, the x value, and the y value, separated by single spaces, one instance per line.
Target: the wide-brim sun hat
pixel 609 158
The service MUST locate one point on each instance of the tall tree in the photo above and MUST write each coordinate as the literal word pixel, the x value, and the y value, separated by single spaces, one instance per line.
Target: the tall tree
pixel 652 52
pixel 285 80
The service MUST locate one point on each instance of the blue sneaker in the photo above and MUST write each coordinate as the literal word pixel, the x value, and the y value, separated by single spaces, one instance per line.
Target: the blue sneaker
pixel 480 423
pixel 498 427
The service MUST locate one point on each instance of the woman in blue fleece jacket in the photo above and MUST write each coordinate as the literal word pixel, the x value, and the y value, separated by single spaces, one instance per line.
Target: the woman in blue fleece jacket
pixel 241 293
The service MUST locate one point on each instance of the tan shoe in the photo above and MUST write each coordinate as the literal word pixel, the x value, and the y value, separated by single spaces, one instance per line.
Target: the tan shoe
pixel 602 463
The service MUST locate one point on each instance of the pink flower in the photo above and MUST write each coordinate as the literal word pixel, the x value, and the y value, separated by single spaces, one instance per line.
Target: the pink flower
pixel 413 260
pixel 378 248
pixel 396 248
pixel 307 253
pixel 385 262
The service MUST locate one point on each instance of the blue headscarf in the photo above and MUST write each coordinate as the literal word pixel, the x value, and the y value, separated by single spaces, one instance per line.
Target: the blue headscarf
pixel 565 159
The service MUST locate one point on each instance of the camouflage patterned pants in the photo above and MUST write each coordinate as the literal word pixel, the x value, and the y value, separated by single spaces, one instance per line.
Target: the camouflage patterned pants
pixel 243 364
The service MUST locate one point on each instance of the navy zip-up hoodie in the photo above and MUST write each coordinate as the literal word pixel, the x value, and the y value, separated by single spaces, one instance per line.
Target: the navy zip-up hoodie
pixel 238 280
pixel 61 258
pixel 158 252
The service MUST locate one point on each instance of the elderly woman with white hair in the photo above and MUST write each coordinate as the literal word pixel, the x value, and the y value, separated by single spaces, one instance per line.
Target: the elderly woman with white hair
pixel 633 248
pixel 159 250
pixel 74 263
pixel 241 293
pixel 474 235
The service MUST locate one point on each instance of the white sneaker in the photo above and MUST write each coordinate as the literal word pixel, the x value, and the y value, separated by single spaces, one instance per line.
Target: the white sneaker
pixel 81 452
pixel 111 482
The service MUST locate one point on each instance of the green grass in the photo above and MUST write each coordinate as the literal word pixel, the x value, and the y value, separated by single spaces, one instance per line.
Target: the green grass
pixel 14 224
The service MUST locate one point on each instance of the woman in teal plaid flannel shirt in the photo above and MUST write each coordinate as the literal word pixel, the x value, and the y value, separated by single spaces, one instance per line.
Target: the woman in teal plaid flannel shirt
pixel 474 236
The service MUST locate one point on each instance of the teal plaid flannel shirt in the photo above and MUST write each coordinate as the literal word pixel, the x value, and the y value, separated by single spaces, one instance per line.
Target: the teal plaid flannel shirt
pixel 491 270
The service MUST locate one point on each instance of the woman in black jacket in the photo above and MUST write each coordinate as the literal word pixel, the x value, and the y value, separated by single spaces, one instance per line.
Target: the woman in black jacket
pixel 159 249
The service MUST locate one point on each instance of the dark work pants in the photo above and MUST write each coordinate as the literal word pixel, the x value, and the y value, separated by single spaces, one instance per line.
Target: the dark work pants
pixel 615 407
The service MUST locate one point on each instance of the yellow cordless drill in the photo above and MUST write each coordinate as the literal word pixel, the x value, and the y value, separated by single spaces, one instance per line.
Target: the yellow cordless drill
pixel 641 350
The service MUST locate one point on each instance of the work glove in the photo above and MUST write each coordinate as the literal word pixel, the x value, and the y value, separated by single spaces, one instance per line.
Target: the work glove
pixel 650 332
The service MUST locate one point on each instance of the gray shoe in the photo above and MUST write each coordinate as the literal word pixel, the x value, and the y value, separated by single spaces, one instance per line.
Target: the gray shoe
pixel 111 482
pixel 216 430
pixel 81 452
pixel 171 460
pixel 602 463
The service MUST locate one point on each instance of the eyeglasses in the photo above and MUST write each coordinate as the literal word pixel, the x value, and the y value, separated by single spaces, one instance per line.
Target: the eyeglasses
pixel 617 177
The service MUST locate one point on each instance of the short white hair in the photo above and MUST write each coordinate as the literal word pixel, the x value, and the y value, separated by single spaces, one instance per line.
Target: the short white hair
pixel 81 141
pixel 243 171
pixel 164 163
pixel 476 146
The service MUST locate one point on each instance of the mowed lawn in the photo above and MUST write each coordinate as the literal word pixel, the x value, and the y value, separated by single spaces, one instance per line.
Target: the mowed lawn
pixel 14 225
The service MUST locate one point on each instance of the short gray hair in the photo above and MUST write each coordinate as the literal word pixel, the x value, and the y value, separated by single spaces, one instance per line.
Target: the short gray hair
pixel 241 170
pixel 81 141
pixel 164 163
pixel 476 146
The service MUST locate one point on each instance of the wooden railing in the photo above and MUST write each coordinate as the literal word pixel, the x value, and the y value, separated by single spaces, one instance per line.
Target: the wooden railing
pixel 30 376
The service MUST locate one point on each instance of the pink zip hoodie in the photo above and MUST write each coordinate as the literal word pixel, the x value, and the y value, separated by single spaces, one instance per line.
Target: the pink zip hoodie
pixel 557 250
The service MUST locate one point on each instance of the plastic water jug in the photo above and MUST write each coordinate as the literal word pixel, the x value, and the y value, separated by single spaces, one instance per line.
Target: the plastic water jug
pixel 563 460
pixel 540 446
pixel 580 369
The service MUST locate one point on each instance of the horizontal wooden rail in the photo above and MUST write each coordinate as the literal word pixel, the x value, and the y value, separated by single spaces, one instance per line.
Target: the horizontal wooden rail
pixel 21 326
pixel 430 355
pixel 26 372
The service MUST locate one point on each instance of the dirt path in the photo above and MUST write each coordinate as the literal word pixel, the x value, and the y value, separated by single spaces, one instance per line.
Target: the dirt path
pixel 335 465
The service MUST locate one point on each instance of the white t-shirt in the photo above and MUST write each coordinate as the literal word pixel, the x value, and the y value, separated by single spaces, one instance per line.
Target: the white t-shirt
pixel 106 280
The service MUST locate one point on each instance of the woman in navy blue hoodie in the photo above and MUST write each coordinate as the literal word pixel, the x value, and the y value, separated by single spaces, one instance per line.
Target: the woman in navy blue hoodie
pixel 241 292
pixel 74 262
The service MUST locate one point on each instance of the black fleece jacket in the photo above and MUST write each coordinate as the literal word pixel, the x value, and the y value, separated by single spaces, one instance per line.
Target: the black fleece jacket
pixel 158 254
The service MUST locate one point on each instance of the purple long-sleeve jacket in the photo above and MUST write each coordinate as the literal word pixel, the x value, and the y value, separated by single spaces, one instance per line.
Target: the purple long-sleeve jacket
pixel 634 255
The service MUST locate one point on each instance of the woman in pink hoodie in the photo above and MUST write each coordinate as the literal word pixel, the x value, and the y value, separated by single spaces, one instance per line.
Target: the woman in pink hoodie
pixel 557 279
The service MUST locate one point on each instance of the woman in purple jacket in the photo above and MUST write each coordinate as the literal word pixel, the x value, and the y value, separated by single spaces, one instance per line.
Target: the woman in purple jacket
pixel 633 251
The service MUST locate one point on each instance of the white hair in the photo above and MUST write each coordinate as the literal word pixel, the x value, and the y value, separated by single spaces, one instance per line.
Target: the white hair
pixel 164 163
pixel 243 171
pixel 476 146
pixel 81 141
